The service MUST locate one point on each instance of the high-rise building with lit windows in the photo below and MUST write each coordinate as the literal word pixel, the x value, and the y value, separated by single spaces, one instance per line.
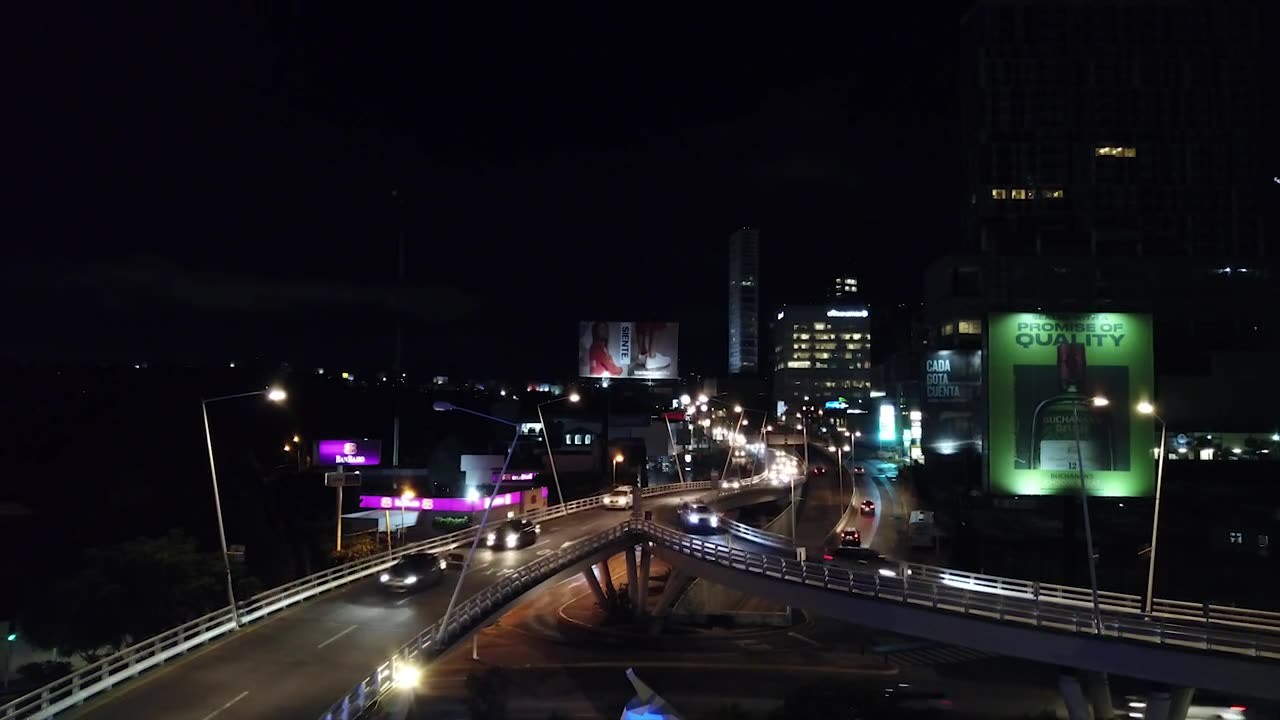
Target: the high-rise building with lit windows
pixel 844 289
pixel 1114 128
pixel 823 356
pixel 744 302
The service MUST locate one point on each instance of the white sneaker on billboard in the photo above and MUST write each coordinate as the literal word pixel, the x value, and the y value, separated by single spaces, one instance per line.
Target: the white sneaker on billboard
pixel 656 361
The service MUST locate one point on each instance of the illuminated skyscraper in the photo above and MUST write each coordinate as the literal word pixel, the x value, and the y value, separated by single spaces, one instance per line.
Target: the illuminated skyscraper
pixel 744 302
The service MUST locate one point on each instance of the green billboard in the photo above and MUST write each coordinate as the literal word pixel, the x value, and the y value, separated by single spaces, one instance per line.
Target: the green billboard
pixel 1062 392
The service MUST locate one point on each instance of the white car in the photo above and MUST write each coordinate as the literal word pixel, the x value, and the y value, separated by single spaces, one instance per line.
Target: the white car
pixel 730 484
pixel 700 515
pixel 622 497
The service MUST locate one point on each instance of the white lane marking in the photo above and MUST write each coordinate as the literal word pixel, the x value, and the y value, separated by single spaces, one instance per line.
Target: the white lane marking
pixel 404 599
pixel 811 641
pixel 344 632
pixel 234 700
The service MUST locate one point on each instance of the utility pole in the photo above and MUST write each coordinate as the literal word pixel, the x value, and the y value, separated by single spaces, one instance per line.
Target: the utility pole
pixel 395 368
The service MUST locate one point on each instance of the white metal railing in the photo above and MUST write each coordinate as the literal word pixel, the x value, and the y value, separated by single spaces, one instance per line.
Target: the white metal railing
pixel 1119 618
pixel 467 616
pixel 1048 606
pixel 140 657
pixel 755 535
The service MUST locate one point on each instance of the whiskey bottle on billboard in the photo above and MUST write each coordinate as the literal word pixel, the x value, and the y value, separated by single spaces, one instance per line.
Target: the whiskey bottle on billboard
pixel 1053 431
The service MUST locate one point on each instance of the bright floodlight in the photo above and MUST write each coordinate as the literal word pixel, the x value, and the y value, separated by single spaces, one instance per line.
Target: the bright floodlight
pixel 1146 408
pixel 845 448
pixel 441 406
pixel 684 400
pixel 408 495
pixel 276 395
pixel 737 408
pixel 617 458
pixel 1099 401
pixel 702 398
pixel 297 439
pixel 574 397
pixel 831 448
pixel 407 676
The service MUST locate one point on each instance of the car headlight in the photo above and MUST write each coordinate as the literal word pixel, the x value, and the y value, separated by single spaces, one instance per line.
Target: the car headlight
pixel 410 579
pixel 384 577
pixel 511 539
pixel 888 573
pixel 715 521
pixel 491 538
pixel 444 564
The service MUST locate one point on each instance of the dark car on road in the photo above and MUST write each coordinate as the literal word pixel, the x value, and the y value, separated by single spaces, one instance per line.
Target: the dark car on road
pixel 515 533
pixel 413 572
pixel 699 515
pixel 860 559
pixel 850 537
pixel 818 470
pixel 867 507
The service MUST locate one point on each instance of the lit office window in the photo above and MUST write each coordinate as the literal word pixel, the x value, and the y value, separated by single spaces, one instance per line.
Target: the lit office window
pixel 999 194
pixel 801 355
pixel 799 365
pixel 949 329
pixel 970 327
pixel 587 438
pixel 824 336
pixel 819 326
pixel 568 439
pixel 1109 151
pixel 1019 193
pixel 822 355
pixel 1052 194
pixel 824 346
pixel 800 336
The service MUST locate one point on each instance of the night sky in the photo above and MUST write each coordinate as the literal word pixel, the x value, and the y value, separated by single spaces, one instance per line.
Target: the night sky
pixel 208 184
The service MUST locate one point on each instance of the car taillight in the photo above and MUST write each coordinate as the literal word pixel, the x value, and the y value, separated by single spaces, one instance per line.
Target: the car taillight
pixel 827 557
pixel 1239 708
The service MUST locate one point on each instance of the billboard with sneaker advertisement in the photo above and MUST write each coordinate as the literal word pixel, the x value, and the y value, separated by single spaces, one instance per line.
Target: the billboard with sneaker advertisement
pixel 1063 392
pixel 642 350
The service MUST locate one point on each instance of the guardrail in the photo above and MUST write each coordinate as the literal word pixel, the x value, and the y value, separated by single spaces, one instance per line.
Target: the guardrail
pixel 1049 606
pixel 466 617
pixel 140 657
pixel 1043 611
pixel 761 537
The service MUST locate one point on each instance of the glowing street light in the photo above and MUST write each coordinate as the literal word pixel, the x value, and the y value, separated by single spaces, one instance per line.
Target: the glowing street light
pixel 703 400
pixel 273 394
pixel 1099 401
pixel 573 398
pixel 685 400
pixel 616 459
pixel 1147 408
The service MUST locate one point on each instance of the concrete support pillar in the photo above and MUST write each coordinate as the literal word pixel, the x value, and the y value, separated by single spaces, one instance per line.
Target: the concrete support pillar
pixel 1180 702
pixel 1157 706
pixel 596 590
pixel 677 581
pixel 632 582
pixel 642 590
pixel 1098 689
pixel 1073 697
pixel 606 578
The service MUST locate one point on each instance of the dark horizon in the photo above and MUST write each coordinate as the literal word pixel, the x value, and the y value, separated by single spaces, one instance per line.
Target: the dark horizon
pixel 220 186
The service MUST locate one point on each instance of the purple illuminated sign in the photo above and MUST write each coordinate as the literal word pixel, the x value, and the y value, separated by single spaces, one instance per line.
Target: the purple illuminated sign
pixel 348 452
pixel 390 502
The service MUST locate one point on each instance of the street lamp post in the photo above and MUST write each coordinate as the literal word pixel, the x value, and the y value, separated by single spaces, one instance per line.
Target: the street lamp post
pixel 805 430
pixel 616 459
pixel 484 518
pixel 1084 504
pixel 1147 408
pixel 272 394
pixel 405 497
pixel 573 398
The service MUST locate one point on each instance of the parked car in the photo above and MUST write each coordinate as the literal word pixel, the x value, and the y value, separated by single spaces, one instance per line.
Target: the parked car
pixel 622 497
pixel 413 572
pixel 515 533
